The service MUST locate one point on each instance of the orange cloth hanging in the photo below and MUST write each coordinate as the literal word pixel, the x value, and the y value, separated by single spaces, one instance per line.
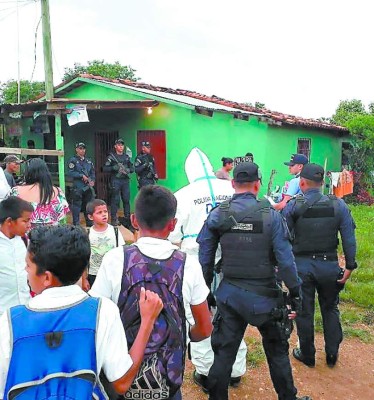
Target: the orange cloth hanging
pixel 345 184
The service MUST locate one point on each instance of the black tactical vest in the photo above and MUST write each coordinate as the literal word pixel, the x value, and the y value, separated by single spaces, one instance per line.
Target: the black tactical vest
pixel 316 227
pixel 247 247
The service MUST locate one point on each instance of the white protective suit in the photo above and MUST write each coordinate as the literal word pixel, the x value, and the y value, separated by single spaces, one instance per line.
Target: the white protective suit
pixel 195 201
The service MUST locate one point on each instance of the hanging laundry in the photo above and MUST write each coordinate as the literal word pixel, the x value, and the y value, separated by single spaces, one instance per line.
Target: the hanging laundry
pixel 342 183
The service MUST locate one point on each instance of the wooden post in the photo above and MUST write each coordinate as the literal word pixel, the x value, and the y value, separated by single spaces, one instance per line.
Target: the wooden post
pixel 47 50
pixel 60 146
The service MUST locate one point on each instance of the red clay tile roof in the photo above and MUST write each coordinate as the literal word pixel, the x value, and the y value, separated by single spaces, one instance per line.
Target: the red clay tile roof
pixel 277 117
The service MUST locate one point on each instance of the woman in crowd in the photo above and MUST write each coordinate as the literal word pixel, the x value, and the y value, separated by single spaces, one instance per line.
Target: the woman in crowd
pixel 224 172
pixel 49 202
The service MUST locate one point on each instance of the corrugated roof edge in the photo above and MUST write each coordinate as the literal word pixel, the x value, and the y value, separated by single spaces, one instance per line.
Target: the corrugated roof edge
pixel 273 115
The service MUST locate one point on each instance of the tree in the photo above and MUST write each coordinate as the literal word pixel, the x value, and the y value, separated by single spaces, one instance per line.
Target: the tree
pixel 347 109
pixel 361 128
pixel 360 123
pixel 29 90
pixel 101 68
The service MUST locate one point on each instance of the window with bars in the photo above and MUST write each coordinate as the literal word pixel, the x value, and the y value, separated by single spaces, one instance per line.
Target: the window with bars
pixel 303 147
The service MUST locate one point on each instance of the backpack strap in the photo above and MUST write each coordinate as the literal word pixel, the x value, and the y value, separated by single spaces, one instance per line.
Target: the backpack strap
pixel 116 234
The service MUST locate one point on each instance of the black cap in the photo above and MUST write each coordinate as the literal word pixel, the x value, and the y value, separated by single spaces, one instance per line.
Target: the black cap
pixel 297 159
pixel 146 144
pixel 312 172
pixel 247 172
pixel 119 141
pixel 80 144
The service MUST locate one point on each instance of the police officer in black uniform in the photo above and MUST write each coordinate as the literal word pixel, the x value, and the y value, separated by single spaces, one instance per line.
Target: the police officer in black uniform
pixel 145 166
pixel 253 238
pixel 120 166
pixel 315 220
pixel 82 170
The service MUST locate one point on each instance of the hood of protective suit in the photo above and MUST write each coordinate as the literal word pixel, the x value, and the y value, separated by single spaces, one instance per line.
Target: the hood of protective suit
pixel 198 166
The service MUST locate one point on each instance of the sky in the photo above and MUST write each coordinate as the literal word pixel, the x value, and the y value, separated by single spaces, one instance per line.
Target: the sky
pixel 297 57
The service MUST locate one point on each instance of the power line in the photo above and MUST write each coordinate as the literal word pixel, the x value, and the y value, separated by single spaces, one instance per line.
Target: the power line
pixel 36 37
pixel 15 1
pixel 26 3
pixel 56 63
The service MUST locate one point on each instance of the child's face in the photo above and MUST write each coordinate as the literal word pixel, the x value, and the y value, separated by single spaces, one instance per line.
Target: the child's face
pixel 100 215
pixel 21 225
pixel 36 282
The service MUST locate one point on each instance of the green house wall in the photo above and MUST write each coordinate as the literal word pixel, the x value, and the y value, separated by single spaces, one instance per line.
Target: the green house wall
pixel 218 136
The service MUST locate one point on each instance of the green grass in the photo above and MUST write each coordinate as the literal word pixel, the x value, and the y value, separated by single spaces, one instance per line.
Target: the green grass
pixel 359 289
pixel 356 322
pixel 357 298
pixel 255 354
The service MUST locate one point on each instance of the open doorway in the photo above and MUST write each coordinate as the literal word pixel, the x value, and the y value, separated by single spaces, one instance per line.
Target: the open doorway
pixel 347 151
pixel 103 146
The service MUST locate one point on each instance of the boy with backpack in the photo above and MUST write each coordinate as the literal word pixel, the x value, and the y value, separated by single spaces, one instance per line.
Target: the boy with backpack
pixel 103 236
pixel 15 216
pixel 56 346
pixel 155 263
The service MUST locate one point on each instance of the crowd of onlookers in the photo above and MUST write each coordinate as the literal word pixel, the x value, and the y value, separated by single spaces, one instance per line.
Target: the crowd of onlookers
pixel 167 284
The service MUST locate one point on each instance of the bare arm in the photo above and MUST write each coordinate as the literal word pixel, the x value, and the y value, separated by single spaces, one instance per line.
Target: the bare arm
pixel 279 206
pixel 202 328
pixel 150 306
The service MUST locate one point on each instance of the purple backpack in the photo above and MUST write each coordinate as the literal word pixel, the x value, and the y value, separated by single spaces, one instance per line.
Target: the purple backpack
pixel 161 373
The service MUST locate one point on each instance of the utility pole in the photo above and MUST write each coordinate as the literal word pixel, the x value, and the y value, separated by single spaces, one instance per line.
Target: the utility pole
pixel 47 50
pixel 48 72
pixel 18 62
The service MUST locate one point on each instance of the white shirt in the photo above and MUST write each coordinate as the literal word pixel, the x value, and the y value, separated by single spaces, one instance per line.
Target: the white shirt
pixel 101 242
pixel 14 289
pixel 111 345
pixel 109 279
pixel 4 185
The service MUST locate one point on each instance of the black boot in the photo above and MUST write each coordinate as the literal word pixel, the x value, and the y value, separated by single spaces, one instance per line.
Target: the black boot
pixel 331 360
pixel 201 380
pixel 309 362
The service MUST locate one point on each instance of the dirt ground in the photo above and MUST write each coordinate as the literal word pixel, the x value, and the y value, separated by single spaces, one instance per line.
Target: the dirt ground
pixel 351 379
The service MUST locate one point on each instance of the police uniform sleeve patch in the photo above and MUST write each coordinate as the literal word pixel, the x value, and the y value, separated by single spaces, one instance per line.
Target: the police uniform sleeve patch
pixel 71 165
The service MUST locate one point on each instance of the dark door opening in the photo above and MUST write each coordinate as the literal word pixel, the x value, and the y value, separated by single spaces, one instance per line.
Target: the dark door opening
pixel 104 142
pixel 49 139
pixel 347 151
pixel 158 144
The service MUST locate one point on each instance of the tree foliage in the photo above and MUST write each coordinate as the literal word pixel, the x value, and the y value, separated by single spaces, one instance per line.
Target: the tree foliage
pixel 347 109
pixel 353 115
pixel 29 90
pixel 101 68
pixel 361 128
